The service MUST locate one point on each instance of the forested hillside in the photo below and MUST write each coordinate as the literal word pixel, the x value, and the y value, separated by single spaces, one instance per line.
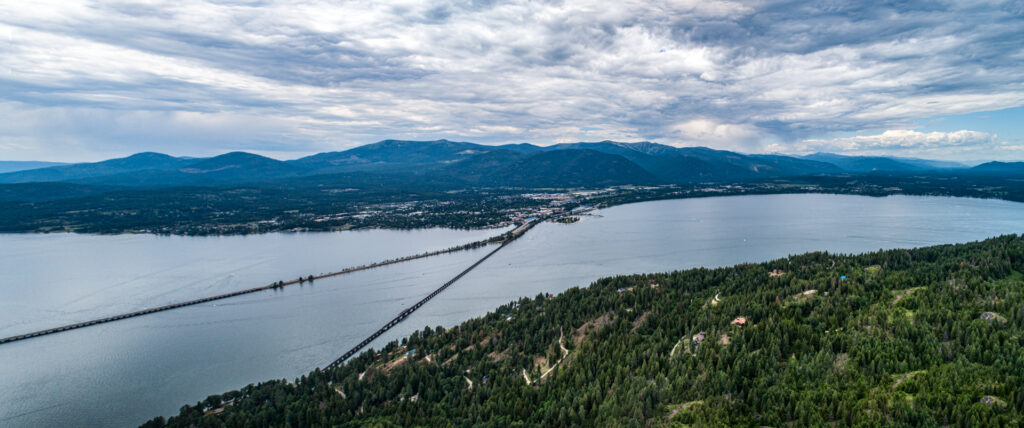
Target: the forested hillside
pixel 923 337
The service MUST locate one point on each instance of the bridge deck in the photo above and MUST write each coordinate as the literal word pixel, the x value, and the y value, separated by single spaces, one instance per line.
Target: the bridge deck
pixel 278 284
pixel 402 315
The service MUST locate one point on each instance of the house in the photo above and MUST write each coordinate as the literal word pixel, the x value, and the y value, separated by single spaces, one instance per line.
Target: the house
pixel 699 337
pixel 776 272
pixel 740 321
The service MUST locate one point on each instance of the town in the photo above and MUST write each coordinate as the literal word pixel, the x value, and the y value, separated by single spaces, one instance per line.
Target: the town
pixel 474 209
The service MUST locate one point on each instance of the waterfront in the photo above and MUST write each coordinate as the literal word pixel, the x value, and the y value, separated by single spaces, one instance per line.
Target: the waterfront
pixel 126 372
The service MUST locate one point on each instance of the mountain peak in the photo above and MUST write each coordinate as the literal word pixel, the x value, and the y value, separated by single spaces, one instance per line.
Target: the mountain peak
pixel 236 160
pixel 148 155
pixel 996 167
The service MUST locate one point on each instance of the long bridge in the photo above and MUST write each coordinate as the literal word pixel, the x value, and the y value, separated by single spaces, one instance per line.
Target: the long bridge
pixel 519 231
pixel 276 285
pixel 408 311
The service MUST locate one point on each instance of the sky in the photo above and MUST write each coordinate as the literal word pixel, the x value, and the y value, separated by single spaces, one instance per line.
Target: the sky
pixel 85 81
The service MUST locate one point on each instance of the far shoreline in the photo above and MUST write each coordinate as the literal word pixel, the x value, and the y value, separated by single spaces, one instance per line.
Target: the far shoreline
pixel 511 223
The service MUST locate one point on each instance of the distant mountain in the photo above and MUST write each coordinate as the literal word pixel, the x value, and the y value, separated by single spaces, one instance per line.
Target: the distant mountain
pixel 779 166
pixel 390 155
pixel 556 168
pixel 663 161
pixel 669 164
pixel 451 164
pixel 881 163
pixel 240 164
pixel 863 163
pixel 1000 168
pixel 229 168
pixel 79 171
pixel 12 166
pixel 481 167
pixel 521 147
pixel 689 164
pixel 933 164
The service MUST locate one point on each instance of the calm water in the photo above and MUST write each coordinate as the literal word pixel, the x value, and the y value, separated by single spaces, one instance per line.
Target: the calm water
pixel 123 373
pixel 56 279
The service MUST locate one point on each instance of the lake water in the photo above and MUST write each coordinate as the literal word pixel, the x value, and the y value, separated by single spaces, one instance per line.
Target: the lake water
pixel 55 279
pixel 126 372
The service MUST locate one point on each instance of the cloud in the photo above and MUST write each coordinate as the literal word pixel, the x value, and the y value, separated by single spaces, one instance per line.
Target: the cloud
pixel 73 132
pixel 905 139
pixel 314 75
pixel 941 145
pixel 705 132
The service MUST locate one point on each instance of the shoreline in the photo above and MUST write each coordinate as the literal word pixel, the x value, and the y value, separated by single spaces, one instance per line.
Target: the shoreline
pixel 594 203
pixel 602 289
pixel 929 202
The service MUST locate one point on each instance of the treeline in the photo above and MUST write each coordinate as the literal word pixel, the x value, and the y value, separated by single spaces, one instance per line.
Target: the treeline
pixel 923 337
pixel 935 183
pixel 325 203
pixel 953 183
pixel 244 210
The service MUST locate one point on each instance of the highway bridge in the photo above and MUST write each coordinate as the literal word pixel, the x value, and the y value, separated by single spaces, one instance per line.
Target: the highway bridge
pixel 275 285
pixel 519 231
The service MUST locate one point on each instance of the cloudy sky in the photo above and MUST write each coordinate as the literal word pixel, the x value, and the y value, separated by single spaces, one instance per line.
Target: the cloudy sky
pixel 90 80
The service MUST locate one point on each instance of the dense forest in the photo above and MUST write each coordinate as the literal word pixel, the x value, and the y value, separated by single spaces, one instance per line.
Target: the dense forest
pixel 922 337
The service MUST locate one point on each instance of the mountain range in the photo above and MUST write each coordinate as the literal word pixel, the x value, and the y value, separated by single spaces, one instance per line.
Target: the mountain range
pixel 462 164
pixel 12 166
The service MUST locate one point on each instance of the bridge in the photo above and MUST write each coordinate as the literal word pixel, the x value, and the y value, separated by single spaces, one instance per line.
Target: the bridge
pixel 405 314
pixel 519 231
pixel 272 286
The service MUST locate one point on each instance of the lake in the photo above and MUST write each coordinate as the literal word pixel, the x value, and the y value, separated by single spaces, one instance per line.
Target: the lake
pixel 126 372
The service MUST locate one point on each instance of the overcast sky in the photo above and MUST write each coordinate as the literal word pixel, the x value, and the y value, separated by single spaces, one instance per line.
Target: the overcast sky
pixel 91 80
